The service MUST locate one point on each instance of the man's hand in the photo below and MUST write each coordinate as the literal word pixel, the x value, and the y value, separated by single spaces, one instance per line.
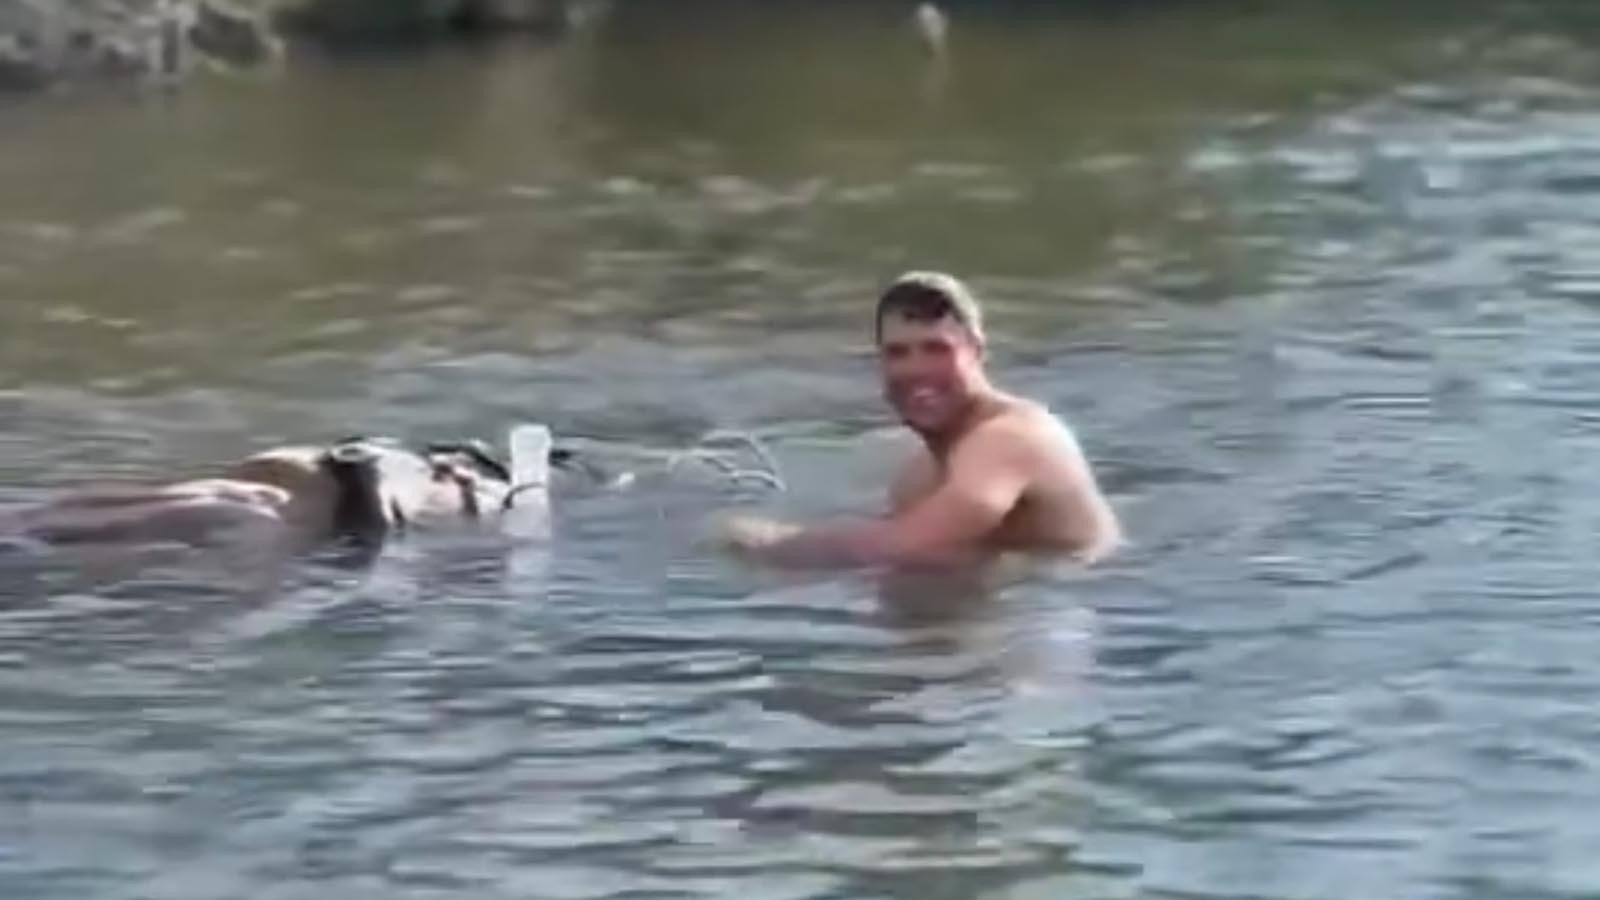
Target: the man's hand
pixel 747 535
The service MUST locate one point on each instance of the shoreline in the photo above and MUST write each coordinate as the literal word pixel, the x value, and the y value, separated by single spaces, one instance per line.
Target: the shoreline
pixel 51 44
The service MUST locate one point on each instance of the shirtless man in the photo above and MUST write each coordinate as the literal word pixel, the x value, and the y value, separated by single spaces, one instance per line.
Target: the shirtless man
pixel 292 499
pixel 996 473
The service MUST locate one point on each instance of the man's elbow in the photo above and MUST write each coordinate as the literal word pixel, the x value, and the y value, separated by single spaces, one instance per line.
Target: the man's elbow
pixel 1104 543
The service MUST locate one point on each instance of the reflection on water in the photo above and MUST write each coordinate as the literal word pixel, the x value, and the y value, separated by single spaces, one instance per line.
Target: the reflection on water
pixel 1316 286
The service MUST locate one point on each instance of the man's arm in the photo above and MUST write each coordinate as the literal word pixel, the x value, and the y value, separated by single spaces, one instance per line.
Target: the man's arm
pixel 918 478
pixel 1101 533
pixel 984 480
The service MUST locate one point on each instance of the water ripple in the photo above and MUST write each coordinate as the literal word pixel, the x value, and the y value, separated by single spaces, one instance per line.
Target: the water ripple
pixel 1330 345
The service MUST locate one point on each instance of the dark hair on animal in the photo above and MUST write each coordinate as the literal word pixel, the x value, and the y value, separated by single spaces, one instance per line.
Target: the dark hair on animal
pixel 478 453
pixel 358 512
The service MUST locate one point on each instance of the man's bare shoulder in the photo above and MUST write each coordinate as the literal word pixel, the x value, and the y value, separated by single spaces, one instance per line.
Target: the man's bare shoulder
pixel 1020 425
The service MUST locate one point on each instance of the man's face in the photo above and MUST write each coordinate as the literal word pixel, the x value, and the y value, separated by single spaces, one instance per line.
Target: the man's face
pixel 931 370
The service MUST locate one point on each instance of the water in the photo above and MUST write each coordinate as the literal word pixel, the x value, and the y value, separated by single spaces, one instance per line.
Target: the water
pixel 1317 288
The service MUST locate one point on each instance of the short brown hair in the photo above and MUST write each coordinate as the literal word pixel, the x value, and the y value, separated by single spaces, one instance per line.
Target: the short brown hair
pixel 929 297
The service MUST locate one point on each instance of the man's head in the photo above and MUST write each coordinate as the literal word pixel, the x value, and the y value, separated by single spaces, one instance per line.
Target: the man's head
pixel 929 331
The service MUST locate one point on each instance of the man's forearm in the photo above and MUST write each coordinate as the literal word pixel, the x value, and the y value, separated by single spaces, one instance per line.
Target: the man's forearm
pixel 839 544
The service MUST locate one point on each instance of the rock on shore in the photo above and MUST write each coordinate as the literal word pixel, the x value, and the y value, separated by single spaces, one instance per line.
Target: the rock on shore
pixel 47 42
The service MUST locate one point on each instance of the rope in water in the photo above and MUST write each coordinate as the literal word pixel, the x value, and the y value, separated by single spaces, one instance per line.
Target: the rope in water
pixel 717 450
pixel 701 451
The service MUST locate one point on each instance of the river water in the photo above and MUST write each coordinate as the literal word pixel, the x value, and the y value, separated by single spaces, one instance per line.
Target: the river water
pixel 1319 289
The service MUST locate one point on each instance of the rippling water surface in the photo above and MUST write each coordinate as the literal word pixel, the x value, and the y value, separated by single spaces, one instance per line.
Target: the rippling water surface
pixel 1318 288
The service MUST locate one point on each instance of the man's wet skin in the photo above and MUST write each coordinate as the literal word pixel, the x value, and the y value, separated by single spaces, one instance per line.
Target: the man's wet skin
pixel 995 472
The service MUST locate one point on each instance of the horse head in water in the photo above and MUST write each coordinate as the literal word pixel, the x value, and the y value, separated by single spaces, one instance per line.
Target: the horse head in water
pixel 367 489
pixel 360 490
